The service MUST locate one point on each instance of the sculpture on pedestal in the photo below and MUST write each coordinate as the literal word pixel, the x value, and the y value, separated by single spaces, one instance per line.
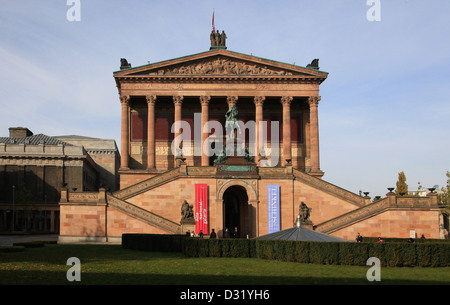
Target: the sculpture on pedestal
pixel 187 211
pixel 218 40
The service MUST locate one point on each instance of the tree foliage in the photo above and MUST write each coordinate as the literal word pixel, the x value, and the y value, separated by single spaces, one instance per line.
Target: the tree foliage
pixel 402 187
pixel 444 198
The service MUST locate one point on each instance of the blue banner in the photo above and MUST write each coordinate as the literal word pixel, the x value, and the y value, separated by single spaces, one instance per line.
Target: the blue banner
pixel 273 208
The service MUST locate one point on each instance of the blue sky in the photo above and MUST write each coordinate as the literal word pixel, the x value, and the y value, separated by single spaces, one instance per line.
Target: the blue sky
pixel 384 108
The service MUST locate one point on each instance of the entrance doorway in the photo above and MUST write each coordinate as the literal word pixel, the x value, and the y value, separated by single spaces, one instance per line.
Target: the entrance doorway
pixel 235 201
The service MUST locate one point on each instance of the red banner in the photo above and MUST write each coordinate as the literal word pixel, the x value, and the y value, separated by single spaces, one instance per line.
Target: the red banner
pixel 201 208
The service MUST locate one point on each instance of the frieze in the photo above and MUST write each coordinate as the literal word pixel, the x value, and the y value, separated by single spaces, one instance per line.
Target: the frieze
pixel 220 66
pixel 214 85
pixel 83 197
pixel 201 171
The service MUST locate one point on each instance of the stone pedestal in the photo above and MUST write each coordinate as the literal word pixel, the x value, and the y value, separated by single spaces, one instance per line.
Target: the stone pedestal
pixel 308 224
pixel 187 225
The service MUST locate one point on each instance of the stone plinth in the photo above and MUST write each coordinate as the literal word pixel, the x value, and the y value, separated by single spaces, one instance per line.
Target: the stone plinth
pixel 187 225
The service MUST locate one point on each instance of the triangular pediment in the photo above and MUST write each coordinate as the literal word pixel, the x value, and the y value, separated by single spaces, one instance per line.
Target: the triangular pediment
pixel 220 63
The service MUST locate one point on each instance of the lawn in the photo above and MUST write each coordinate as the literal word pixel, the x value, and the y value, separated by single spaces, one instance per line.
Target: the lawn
pixel 111 264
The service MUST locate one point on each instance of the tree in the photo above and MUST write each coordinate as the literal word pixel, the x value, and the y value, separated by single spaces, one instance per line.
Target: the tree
pixel 402 187
pixel 444 198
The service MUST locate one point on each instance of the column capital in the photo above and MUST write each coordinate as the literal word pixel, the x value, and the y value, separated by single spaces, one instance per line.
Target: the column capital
pixel 178 99
pixel 314 100
pixel 204 100
pixel 231 100
pixel 151 99
pixel 125 99
pixel 286 100
pixel 259 100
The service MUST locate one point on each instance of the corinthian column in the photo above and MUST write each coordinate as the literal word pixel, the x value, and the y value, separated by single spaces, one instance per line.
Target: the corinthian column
pixel 125 136
pixel 259 102
pixel 204 100
pixel 286 101
pixel 177 102
pixel 314 135
pixel 151 100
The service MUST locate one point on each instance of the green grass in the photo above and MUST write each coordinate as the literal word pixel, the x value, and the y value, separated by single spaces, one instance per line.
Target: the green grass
pixel 111 264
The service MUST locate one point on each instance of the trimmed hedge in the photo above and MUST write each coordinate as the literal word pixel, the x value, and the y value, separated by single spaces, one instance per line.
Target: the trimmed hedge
pixel 330 253
pixel 405 240
pixel 153 242
pixel 9 249
pixel 30 244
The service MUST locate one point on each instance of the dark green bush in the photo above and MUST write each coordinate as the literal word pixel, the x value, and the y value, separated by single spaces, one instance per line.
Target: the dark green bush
pixel 440 255
pixel 302 253
pixel 324 253
pixel 353 254
pixel 215 248
pixel 423 252
pixel 153 242
pixel 9 249
pixel 394 254
pixel 31 244
pixel 405 240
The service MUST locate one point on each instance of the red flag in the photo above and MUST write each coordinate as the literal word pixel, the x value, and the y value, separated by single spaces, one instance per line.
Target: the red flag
pixel 214 28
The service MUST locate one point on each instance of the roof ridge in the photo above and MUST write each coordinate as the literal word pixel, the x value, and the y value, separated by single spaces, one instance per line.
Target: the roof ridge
pixel 35 139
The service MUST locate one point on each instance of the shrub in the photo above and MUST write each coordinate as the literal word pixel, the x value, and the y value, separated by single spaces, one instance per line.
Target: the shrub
pixel 423 252
pixel 31 244
pixel 9 249
pixel 353 254
pixel 390 254
pixel 324 253
pixel 215 248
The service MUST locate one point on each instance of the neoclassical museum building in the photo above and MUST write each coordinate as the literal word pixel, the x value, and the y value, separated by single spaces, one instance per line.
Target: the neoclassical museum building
pixel 176 177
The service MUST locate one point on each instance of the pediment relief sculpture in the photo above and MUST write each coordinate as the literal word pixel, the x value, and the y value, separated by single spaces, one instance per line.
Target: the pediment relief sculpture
pixel 220 66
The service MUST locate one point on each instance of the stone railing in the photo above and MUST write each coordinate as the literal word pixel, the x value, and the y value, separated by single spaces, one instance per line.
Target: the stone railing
pixel 83 197
pixel 208 171
pixel 372 209
pixel 142 214
pixel 147 184
pixel 329 188
pixel 353 216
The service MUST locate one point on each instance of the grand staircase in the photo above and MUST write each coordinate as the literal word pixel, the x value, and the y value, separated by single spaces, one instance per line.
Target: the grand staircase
pixel 354 216
pixel 147 184
pixel 144 215
pixel 119 201
pixel 328 188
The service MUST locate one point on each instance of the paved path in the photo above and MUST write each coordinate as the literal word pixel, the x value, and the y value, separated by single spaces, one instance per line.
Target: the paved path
pixel 8 240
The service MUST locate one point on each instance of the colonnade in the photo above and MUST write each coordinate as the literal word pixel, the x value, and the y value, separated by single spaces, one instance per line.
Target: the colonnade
pixel 204 101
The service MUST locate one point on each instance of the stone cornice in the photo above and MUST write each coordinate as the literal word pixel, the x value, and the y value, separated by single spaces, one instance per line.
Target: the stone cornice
pixel 225 55
pixel 221 78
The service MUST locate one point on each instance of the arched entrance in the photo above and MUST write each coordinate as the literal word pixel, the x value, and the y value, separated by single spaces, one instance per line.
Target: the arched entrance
pixel 236 212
